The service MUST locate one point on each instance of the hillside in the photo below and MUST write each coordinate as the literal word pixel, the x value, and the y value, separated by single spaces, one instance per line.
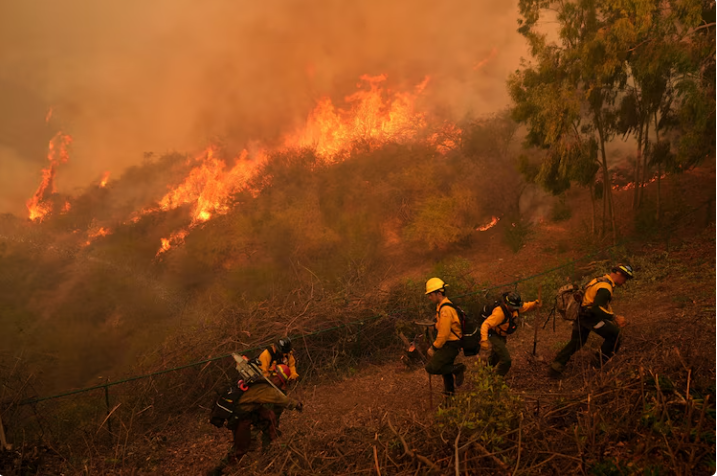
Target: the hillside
pixel 649 411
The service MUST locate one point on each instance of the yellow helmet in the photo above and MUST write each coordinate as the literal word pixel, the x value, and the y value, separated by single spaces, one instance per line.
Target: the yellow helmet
pixel 435 284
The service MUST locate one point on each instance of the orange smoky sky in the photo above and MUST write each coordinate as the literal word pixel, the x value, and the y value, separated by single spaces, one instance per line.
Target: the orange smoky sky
pixel 125 78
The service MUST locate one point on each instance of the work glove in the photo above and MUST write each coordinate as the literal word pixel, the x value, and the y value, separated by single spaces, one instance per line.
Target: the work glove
pixel 431 351
pixel 538 303
pixel 299 407
pixel 485 345
pixel 620 321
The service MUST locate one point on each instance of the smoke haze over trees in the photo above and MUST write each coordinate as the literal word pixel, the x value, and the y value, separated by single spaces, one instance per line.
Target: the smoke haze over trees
pixel 125 79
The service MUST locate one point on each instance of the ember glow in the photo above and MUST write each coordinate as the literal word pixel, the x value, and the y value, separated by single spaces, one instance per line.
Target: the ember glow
pixel 39 206
pixel 490 225
pixel 631 185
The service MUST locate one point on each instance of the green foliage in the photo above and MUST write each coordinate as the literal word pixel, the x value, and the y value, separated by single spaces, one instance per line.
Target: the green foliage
pixel 489 136
pixel 442 221
pixel 487 408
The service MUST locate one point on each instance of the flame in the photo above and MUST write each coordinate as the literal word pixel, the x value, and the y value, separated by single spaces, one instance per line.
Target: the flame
pixel 631 185
pixel 371 116
pixel 486 60
pixel 48 116
pixel 105 178
pixel 38 206
pixel 369 119
pixel 95 232
pixel 101 231
pixel 176 238
pixel 208 187
pixel 490 225
pixel 66 207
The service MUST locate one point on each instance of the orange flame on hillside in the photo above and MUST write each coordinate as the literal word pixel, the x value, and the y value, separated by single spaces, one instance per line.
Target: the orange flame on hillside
pixel 208 187
pixel 105 179
pixel 38 206
pixel 373 116
pixel 94 232
pixel 368 119
pixel 494 221
pixel 66 207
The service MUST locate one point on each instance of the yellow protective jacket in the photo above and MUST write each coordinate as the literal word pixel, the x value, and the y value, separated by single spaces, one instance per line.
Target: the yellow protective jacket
pixel 448 326
pixel 598 294
pixel 270 357
pixel 261 393
pixel 495 321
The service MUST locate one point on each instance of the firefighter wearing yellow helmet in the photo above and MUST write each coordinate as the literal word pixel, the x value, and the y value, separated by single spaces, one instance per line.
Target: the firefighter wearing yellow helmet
pixel 596 316
pixel 447 345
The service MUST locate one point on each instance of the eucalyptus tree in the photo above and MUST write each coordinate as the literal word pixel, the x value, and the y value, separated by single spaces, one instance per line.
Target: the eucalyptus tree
pixel 567 93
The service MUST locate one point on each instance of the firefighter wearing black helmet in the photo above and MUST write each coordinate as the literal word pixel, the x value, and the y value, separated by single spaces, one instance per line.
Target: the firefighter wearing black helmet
pixel 278 353
pixel 596 316
pixel 498 325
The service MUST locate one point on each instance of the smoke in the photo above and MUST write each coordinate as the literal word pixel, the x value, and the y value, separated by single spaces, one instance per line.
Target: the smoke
pixel 125 78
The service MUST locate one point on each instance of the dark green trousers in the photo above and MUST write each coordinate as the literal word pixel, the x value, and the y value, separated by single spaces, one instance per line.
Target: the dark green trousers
pixel 608 330
pixel 443 363
pixel 499 355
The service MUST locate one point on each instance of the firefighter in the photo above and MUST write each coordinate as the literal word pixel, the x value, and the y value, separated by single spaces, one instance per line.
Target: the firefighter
pixel 444 350
pixel 255 408
pixel 501 322
pixel 278 353
pixel 596 316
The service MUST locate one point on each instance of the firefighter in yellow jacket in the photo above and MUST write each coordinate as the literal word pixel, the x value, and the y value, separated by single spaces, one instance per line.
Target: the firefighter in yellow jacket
pixel 257 407
pixel 500 323
pixel 444 350
pixel 596 316
pixel 278 353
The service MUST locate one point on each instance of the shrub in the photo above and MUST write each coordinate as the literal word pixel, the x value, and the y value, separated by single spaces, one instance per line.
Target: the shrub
pixel 516 235
pixel 561 211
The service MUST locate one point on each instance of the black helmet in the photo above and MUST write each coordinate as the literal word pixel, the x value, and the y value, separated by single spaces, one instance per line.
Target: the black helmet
pixel 283 345
pixel 513 299
pixel 625 270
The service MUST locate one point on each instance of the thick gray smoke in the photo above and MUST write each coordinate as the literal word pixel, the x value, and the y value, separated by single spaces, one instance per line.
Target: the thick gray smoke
pixel 124 78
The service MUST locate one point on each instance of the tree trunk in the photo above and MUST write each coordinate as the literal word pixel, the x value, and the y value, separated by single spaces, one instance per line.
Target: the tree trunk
pixel 607 189
pixel 592 202
pixel 636 181
pixel 659 170
pixel 645 145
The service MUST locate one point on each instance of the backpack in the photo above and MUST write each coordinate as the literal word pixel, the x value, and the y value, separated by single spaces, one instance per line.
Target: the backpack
pixel 509 318
pixel 470 330
pixel 225 406
pixel 568 302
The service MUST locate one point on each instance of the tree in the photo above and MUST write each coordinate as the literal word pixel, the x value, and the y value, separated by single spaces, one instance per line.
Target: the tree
pixel 653 59
pixel 566 96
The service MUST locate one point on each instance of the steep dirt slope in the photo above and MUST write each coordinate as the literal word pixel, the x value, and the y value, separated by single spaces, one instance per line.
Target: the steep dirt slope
pixel 671 312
